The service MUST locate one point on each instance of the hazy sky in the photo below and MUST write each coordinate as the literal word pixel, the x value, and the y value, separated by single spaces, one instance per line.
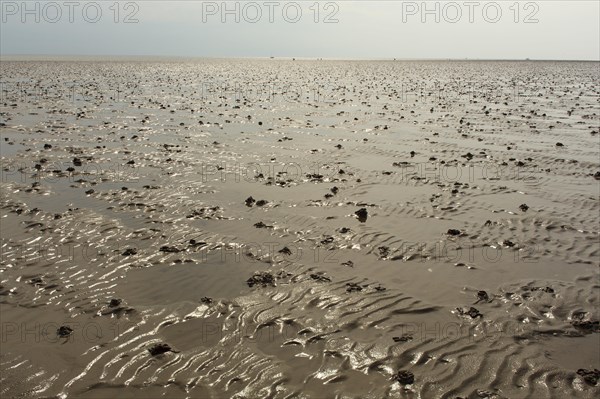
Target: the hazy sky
pixel 340 29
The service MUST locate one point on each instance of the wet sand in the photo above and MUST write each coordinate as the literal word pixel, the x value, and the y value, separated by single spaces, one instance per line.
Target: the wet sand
pixel 310 229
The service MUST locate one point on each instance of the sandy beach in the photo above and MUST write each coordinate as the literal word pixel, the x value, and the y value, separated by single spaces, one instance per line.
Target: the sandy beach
pixel 299 229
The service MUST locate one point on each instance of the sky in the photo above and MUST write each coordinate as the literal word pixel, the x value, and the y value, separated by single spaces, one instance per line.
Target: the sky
pixel 346 29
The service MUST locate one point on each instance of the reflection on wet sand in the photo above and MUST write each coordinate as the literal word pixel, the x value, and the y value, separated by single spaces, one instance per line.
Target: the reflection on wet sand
pixel 368 229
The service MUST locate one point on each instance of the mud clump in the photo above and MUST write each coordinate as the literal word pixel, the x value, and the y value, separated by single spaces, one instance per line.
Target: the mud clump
pixel 589 326
pixel 64 331
pixel 362 214
pixel 263 279
pixel 115 302
pixel 471 312
pixel 205 213
pixel 581 322
pixel 384 252
pixel 159 349
pixel 37 281
pixel 285 251
pixel 327 240
pixel 403 338
pixel 405 377
pixel 320 277
pixel 547 290
pixel 353 287
pixel 206 300
pixel 590 376
pixel 130 252
pixel 508 243
pixel 193 243
pixel 482 296
pixel 251 202
pixel 169 249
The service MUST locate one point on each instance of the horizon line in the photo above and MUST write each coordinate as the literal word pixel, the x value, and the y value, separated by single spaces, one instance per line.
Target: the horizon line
pixel 23 57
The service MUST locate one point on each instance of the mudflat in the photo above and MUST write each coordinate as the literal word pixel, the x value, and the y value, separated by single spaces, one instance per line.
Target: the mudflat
pixel 311 229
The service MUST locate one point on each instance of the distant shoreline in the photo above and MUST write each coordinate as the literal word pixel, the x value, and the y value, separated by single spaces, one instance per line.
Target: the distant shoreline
pixel 145 58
